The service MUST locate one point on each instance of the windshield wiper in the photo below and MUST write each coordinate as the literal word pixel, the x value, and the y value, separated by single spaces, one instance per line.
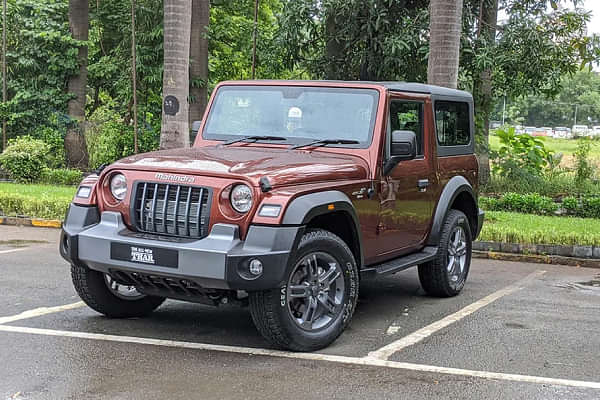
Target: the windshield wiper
pixel 325 142
pixel 253 139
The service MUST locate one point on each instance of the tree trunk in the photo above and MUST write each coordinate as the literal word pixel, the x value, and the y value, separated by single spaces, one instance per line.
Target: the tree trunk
pixel 176 84
pixel 199 58
pixel 75 146
pixel 483 89
pixel 444 43
pixel 334 48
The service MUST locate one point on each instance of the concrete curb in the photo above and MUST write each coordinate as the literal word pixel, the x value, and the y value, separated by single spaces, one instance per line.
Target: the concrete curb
pixel 36 222
pixel 540 259
pixel 576 251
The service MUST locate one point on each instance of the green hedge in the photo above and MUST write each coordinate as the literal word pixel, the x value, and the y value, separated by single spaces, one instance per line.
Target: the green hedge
pixel 522 203
pixel 585 207
pixel 13 205
pixel 61 176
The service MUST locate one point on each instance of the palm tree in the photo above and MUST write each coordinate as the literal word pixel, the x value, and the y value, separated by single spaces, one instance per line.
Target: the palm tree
pixel 444 44
pixel 75 146
pixel 176 86
pixel 199 58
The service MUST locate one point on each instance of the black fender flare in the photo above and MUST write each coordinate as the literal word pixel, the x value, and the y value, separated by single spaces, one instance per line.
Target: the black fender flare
pixel 455 186
pixel 306 207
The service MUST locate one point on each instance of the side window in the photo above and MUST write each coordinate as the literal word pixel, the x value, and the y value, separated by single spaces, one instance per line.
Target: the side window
pixel 452 123
pixel 408 116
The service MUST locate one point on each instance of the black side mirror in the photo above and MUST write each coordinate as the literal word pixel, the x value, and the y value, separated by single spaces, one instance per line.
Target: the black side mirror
pixel 194 132
pixel 403 147
pixel 196 127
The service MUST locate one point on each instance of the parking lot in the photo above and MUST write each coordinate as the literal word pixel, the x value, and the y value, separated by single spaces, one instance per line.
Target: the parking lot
pixel 517 331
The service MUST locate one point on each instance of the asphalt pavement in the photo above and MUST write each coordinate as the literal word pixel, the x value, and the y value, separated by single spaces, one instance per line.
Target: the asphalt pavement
pixel 518 330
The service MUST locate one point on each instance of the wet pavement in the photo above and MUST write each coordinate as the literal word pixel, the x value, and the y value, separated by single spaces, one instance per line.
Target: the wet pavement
pixel 544 331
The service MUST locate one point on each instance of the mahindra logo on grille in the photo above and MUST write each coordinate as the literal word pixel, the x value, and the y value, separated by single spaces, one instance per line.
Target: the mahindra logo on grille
pixel 174 178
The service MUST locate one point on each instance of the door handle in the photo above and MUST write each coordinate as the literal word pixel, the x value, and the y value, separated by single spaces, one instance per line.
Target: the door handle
pixel 422 183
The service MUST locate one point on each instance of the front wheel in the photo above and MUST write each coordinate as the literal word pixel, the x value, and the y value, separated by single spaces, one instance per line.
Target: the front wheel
pixel 446 274
pixel 317 301
pixel 105 295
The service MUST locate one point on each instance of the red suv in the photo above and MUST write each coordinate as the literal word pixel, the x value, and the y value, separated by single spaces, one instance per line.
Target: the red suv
pixel 291 194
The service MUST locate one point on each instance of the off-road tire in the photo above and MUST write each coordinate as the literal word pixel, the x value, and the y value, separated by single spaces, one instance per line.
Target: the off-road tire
pixel 92 288
pixel 269 308
pixel 433 275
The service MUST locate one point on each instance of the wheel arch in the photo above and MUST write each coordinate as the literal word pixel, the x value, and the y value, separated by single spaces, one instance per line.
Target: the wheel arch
pixel 332 211
pixel 458 194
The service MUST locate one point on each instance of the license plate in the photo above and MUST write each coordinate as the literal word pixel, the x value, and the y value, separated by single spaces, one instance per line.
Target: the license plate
pixel 144 255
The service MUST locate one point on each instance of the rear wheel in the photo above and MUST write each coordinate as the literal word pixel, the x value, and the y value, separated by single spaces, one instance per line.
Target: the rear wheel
pixel 446 274
pixel 317 302
pixel 107 296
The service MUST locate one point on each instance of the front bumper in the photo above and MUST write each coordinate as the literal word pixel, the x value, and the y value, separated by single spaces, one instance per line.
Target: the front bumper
pixel 218 261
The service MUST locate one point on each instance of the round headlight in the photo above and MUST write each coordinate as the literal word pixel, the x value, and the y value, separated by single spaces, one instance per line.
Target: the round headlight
pixel 118 186
pixel 241 198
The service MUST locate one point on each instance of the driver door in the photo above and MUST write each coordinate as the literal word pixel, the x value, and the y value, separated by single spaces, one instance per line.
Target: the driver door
pixel 407 192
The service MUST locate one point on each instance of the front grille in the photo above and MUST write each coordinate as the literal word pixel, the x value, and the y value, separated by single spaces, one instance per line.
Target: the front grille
pixel 171 209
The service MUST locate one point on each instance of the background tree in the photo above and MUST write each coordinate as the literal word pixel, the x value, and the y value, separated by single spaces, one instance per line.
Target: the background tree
pixel 483 85
pixel 75 145
pixel 445 17
pixel 175 117
pixel 199 58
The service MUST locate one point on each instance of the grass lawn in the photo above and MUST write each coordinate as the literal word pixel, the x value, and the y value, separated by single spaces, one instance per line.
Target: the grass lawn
pixel 39 191
pixel 40 201
pixel 510 227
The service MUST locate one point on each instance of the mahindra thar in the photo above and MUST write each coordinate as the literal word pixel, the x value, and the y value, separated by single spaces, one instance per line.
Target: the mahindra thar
pixel 292 192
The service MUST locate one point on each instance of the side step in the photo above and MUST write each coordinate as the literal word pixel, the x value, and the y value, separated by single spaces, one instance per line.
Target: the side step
pixel 400 263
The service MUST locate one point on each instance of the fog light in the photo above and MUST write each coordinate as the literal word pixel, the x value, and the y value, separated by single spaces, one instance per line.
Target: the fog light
pixel 256 267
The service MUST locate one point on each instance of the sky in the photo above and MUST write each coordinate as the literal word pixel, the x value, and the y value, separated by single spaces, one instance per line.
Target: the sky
pixel 594 7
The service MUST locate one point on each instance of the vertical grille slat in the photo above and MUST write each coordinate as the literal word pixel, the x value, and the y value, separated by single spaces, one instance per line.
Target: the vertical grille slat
pixel 154 207
pixel 142 206
pixel 199 212
pixel 164 209
pixel 176 220
pixel 187 212
pixel 169 209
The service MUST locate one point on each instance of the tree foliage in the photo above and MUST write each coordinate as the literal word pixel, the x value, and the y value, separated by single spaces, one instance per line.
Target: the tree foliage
pixel 579 93
pixel 41 56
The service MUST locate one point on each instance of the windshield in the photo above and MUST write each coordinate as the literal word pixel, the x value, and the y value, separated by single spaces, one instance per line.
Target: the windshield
pixel 299 114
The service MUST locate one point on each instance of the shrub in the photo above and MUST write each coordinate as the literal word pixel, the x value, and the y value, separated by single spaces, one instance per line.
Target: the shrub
pixel 55 139
pixel 570 205
pixel 590 207
pixel 489 203
pixel 584 169
pixel 25 158
pixel 108 139
pixel 61 176
pixel 520 155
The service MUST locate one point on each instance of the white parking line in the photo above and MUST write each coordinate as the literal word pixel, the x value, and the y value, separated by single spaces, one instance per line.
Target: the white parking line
pixel 37 312
pixel 385 352
pixel 13 250
pixel 305 356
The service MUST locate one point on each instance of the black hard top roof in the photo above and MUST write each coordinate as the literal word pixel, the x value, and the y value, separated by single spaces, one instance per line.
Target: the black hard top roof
pixel 412 87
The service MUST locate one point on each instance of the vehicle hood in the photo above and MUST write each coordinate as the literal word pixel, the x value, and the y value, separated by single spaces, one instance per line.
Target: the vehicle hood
pixel 281 166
